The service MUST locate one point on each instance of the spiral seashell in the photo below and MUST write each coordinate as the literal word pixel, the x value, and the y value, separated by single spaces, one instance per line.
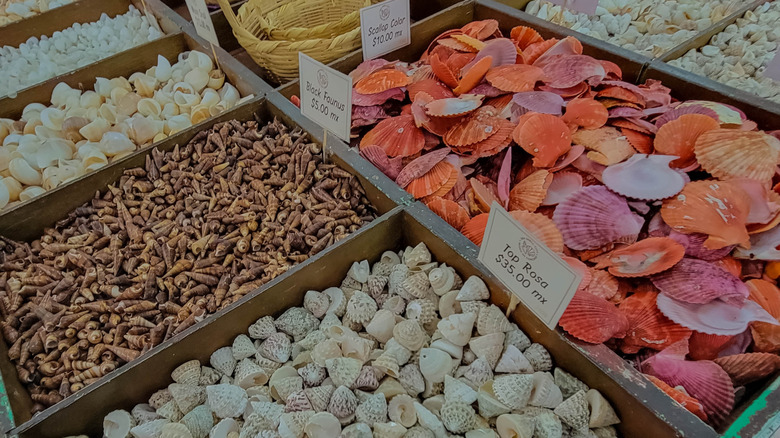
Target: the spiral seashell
pixel 115 143
pixel 338 301
pixel 312 339
pixel 242 347
pixel 401 353
pixel 455 351
pixel 545 392
pixel 199 60
pixel 216 79
pixel 442 280
pixel 401 410
pixel 515 425
pixel 375 285
pixel 249 374
pixel 145 85
pixel 343 403
pixel 415 286
pixel 297 322
pixel 208 376
pixel 226 401
pixel 457 417
pixel 361 308
pixel 316 302
pixel 169 110
pixel 199 421
pixel 151 429
pixel 343 370
pixel 319 396
pixel 143 130
pixel 199 113
pixel 297 401
pixel 143 413
pixel 312 374
pixel 410 335
pixel 372 410
pixel 448 305
pixel 419 255
pixel 539 357
pixel 21 170
pixel 265 415
pixel 488 403
pixel 323 424
pixel 163 69
pixel 262 328
pixel 491 319
pixel 513 361
pixel 187 373
pixel 388 364
pixel 479 372
pixel 421 310
pixel 381 325
pixel 395 304
pixel 117 424
pixel 177 123
pixel 517 338
pixel 457 328
pixel 357 348
pixel 52 118
pixel 574 411
pixel 229 95
pixel 170 411
pixel 148 107
pixel 395 279
pixel 187 396
pixel 326 350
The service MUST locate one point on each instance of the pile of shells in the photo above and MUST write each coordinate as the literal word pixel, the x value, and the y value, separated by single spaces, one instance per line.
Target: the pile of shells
pixel 40 59
pixel 646 26
pixel 403 348
pixel 738 55
pixel 11 11
pixel 81 132
pixel 192 232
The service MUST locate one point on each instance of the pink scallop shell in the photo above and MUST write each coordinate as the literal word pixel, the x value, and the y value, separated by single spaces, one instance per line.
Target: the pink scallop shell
pixel 574 153
pixel 501 50
pixel 763 246
pixel 594 216
pixel 540 102
pixel 377 156
pixel 623 111
pixel 562 186
pixel 762 209
pixel 367 67
pixel 367 115
pixel 714 318
pixel 699 282
pixel 645 177
pixel 398 93
pixel 566 71
pixel 675 113
pixel 420 166
pixel 487 90
pixel 694 246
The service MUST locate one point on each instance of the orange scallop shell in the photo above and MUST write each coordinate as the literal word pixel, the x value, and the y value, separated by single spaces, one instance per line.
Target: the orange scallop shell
pixel 474 229
pixel 434 88
pixel 731 154
pixel 469 41
pixel 477 127
pixel 643 143
pixel 534 50
pixel 587 113
pixel 749 367
pixel 457 61
pixel 442 71
pixel 514 78
pixel 542 227
pixel 646 257
pixel 483 195
pixel 432 181
pixel 593 319
pixel 473 76
pixel 481 29
pixel 679 136
pixel 496 142
pixel 602 284
pixel 454 44
pixel 718 209
pixel 524 36
pixel 544 136
pixel 454 106
pixel 766 337
pixel 381 80
pixel 691 404
pixel 648 327
pixel 529 193
pixel 605 145
pixel 619 93
pixel 398 136
pixel 704 346
pixel 455 173
pixel 452 212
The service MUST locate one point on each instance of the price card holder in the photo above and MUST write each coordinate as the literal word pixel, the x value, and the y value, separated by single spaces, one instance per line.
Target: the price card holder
pixel 202 20
pixel 772 70
pixel 326 96
pixel 385 27
pixel 534 274
pixel 584 6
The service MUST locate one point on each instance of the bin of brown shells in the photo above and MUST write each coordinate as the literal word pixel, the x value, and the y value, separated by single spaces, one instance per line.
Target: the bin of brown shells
pixel 303 370
pixel 183 230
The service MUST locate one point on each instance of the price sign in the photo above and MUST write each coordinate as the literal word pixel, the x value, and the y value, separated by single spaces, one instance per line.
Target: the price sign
pixel 326 96
pixel 773 68
pixel 202 20
pixel 584 6
pixel 385 27
pixel 532 272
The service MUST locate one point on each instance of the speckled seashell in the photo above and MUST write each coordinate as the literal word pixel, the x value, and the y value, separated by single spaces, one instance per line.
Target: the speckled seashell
pixel 291 424
pixel 372 410
pixel 319 396
pixel 457 328
pixel 226 428
pixel 442 280
pixel 513 361
pixel 367 379
pixel 199 421
pixel 342 403
pixel 312 374
pixel 343 370
pixel 395 304
pixel 488 346
pixel 208 376
pixel 389 430
pixel 323 424
pixel 223 361
pixel 515 425
pixel 312 339
pixel 419 432
pixel 361 307
pixel 601 412
pixel 170 411
pixel 249 374
pixel 381 325
pixel 448 305
pixel 401 410
pixel 479 372
pixel 458 417
pixel 375 285
pixel 329 320
pixel 262 328
pixel 513 390
pixel 271 366
pixel 282 388
pixel 297 322
pixel 316 302
pixel 412 380
pixel 388 364
pixel 435 364
pixel 143 413
pixel 539 357
pixel 430 421
pixel 415 286
pixel 276 347
pixel 243 347
pixel 422 310
pixel 492 320
pixel 472 306
pixel 410 335
pixel 225 379
pixel 226 401
pixel 297 401
pixel 187 396
pixel 517 338
pixel 338 301
pixel 151 429
pixel 324 351
pixel 160 398
pixel 489 405
pixel 574 411
pixel 473 289
pixel 395 279
pixel 457 390
pixel 419 255
pixel 117 424
pixel 265 415
pixel 357 430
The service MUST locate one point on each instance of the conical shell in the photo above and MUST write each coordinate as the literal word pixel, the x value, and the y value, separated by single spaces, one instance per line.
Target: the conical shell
pixel 372 410
pixel 208 376
pixel 312 340
pixel 479 372
pixel 225 429
pixel 601 412
pixel 416 285
pixel 545 393
pixel 388 364
pixel 435 364
pixel 367 380
pixel 117 424
pixel 292 424
pixel 187 396
pixel 338 301
pixel 170 411
pixel 457 390
pixel 517 338
pixel 513 390
pixel 421 310
pixel 390 387
pixel 296 322
pixel 457 417
pixel 160 398
pixel 319 396
pixel 515 425
pixel 381 325
pixel 401 410
pixel 430 421
pixel 513 361
pixel 276 347
pixel 175 430
pixel 199 421
pixel 489 405
pixel 226 401
pixel 342 403
pixel 316 302
pixel 343 370
pixel 492 320
pixel 457 327
pixel 473 289
pixel 448 304
pixel 297 401
pixel 410 335
pixel 151 429
pixel 312 374
pixel 262 328
pixel 412 379
pixel 249 374
pixel 243 347
pixel 187 373
pixel 442 280
pixel 574 411
pixel 223 361
pixel 569 384
pixel 539 357
pixel 489 347
pixel 361 308
pixel 283 387
pixel 419 255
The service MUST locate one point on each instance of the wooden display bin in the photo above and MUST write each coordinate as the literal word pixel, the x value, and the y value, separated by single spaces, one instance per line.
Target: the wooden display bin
pixel 47 210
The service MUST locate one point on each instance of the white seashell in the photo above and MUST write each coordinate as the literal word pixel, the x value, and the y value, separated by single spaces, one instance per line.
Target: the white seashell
pixel 457 328
pixel 381 325
pixel 359 271
pixel 325 350
pixel 479 372
pixel 389 430
pixel 338 301
pixel 175 430
pixel 545 393
pixel 187 397
pixel 53 151
pixel 163 69
pixel 209 98
pixel 5 195
pixel 223 361
pixel 517 338
pixel 149 107
pixel 199 113
pixel 343 370
pixel 229 96
pixel 457 416
pixel 357 348
pixel 117 424
pixel 372 410
pixel 448 305
pixel 488 403
pixel 410 335
pixel 574 411
pixel 94 130
pixel 151 429
pixel 442 280
pixel 473 289
pixel 143 413
pixel 455 351
pixel 435 364
pixel 216 79
pixel 177 123
pixel 419 255
pixel 361 308
pixel 515 426
pixel 488 347
pixel 401 410
pixel 457 390
pixel 323 424
pixel 319 396
pixel 539 357
pixel 601 412
pixel 415 286
pixel 62 94
pixel 428 420
pixel 226 400
pixel 21 170
pixel 513 361
pixel 187 373
pixel 143 130
pixel 196 59
pixel 491 319
pixel 115 143
pixel 226 428
pixel 52 118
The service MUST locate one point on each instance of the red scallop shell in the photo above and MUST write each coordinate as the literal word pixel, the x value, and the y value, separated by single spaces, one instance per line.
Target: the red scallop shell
pixel 398 136
pixel 570 70
pixel 586 113
pixel 431 181
pixel 679 136
pixel 454 106
pixel 524 36
pixel 646 257
pixel 434 88
pixel 643 143
pixel 544 136
pixel 443 71
pixel 593 319
pixel 648 327
pixel 478 126
pixel 452 212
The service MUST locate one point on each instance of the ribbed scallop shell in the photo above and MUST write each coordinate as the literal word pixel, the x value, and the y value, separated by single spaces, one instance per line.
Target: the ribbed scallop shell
pixel 647 326
pixel 679 136
pixel 749 367
pixel 730 154
pixel 699 282
pixel 593 319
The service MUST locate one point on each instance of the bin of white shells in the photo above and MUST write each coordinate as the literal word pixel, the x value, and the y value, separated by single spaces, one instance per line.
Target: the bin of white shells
pixel 15 10
pixel 739 55
pixel 648 27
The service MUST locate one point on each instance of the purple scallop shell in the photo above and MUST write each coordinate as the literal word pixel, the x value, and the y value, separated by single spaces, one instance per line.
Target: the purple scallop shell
pixel 714 318
pixel 564 71
pixel 540 102
pixel 398 93
pixel 502 50
pixel 595 216
pixel 698 282
pixel 367 115
pixel 377 156
pixel 675 113
pixel 645 177
pixel 694 246
pixel 487 90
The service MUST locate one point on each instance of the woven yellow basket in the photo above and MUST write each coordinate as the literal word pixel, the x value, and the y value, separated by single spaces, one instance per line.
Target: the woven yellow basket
pixel 274 31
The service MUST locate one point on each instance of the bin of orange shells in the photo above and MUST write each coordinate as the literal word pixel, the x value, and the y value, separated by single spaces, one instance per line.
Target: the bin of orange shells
pixel 669 209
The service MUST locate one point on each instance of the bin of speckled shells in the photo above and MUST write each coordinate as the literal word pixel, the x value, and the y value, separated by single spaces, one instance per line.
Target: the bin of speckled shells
pixel 405 347
pixel 669 209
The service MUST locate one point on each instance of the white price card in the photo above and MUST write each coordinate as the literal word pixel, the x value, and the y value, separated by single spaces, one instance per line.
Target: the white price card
pixel 202 20
pixel 385 27
pixel 772 70
pixel 538 277
pixel 326 96
pixel 584 6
